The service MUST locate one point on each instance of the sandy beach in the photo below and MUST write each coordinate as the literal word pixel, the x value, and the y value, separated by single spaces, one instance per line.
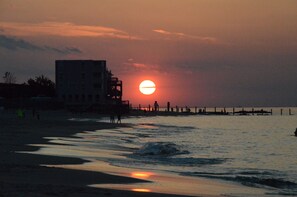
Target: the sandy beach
pixel 25 174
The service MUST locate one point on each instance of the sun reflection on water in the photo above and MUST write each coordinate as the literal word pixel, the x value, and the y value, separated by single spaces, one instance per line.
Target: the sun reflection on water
pixel 141 175
pixel 140 190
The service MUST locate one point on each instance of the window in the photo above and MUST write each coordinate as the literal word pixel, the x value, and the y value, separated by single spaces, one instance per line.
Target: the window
pixel 90 98
pixel 97 86
pixel 97 75
pixel 97 97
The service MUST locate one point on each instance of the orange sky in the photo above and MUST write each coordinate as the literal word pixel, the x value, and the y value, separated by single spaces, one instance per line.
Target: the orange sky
pixel 199 52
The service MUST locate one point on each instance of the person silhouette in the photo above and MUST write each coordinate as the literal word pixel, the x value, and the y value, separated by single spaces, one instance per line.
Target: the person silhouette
pixel 295 132
pixel 156 106
pixel 111 118
pixel 119 118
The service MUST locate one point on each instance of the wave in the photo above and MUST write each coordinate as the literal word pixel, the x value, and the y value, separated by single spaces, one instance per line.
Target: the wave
pixel 271 182
pixel 161 129
pixel 253 181
pixel 156 126
pixel 190 161
pixel 160 149
pixel 166 153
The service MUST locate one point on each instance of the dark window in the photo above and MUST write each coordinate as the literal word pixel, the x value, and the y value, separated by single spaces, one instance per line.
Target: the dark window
pixel 69 97
pixel 90 97
pixel 97 75
pixel 97 85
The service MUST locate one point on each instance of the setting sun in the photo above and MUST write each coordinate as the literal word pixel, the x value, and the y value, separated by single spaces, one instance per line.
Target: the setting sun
pixel 147 87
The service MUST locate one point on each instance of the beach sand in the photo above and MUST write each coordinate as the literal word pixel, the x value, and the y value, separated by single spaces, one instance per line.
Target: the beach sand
pixel 26 174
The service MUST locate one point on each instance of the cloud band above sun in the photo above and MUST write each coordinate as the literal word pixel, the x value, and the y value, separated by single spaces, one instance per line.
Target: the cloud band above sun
pixel 187 36
pixel 63 29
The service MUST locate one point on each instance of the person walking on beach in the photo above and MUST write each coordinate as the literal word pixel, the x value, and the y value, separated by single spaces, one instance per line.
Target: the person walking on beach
pixel 111 118
pixel 119 118
pixel 20 113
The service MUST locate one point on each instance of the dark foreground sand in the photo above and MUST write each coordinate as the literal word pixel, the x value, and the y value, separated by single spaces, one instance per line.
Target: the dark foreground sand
pixel 21 173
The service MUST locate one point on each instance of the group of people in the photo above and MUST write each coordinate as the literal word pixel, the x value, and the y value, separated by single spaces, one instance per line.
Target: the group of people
pixel 112 118
pixel 21 114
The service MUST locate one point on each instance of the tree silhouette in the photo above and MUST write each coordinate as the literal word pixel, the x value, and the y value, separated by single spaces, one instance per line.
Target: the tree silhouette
pixel 41 86
pixel 9 78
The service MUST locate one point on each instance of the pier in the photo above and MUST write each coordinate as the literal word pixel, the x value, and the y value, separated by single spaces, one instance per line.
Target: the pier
pixel 168 109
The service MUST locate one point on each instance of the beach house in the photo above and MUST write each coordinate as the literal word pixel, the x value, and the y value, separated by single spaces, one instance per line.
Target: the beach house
pixel 87 84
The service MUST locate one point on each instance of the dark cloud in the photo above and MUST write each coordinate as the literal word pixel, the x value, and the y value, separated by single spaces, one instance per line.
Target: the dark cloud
pixel 67 50
pixel 14 44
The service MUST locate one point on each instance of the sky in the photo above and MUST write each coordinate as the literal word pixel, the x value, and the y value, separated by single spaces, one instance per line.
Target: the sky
pixel 205 53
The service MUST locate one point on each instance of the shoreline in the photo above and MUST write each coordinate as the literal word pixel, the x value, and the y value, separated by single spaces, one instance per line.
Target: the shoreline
pixel 25 174
pixel 22 167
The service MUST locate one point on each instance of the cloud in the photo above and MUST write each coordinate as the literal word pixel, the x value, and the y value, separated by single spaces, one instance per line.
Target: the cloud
pixel 66 50
pixel 139 65
pixel 178 35
pixel 135 66
pixel 14 44
pixel 64 30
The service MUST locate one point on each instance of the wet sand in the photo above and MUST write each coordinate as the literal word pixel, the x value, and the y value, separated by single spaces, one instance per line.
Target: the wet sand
pixel 24 174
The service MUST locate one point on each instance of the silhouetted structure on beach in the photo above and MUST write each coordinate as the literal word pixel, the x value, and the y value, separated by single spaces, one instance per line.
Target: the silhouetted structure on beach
pixel 38 92
pixel 13 91
pixel 41 86
pixel 88 85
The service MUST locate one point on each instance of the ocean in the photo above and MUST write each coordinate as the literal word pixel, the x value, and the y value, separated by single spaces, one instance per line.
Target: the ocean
pixel 256 151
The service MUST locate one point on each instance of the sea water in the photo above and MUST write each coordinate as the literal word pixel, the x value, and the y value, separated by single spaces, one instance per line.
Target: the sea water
pixel 255 151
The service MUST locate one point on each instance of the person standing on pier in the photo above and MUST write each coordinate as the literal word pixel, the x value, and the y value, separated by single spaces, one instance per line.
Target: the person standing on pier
pixel 156 106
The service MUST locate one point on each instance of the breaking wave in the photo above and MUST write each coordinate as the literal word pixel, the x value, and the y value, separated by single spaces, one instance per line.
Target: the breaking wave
pixel 160 149
pixel 166 153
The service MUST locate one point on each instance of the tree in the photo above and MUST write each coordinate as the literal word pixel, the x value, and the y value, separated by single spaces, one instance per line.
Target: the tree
pixel 9 78
pixel 42 85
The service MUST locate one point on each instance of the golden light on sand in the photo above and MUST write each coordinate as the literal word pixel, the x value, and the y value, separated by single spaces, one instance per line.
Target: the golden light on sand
pixel 141 190
pixel 141 175
pixel 147 87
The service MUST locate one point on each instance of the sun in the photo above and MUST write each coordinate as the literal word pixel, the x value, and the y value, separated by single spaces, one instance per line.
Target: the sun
pixel 147 87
